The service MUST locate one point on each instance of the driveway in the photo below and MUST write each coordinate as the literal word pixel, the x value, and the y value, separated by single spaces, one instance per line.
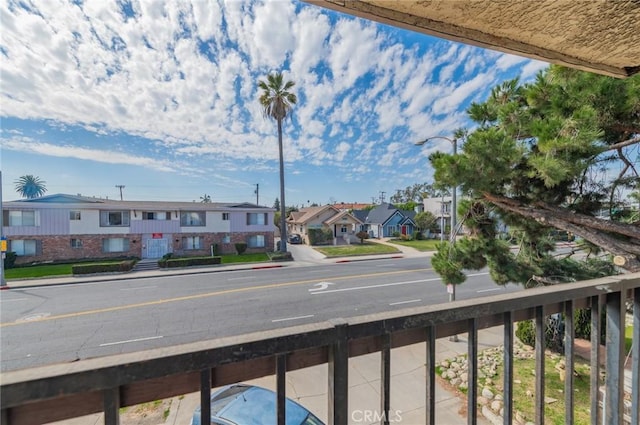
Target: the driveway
pixel 304 253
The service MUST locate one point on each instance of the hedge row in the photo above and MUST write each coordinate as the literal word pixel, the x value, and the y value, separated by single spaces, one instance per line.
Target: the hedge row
pixel 188 261
pixel 90 268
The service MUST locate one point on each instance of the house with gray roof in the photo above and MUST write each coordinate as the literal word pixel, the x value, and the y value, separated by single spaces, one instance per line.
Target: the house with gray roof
pixel 386 220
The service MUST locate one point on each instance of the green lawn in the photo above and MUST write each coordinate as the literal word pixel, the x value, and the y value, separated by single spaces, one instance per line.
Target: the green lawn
pixel 47 270
pixel 424 245
pixel 356 249
pixel 38 271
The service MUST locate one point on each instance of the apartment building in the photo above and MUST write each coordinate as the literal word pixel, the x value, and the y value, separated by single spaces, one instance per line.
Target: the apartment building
pixel 67 227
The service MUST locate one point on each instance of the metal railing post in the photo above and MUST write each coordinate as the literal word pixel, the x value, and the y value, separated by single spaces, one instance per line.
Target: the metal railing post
pixel 595 359
pixel 281 388
pixel 385 378
pixel 338 396
pixel 569 362
pixel 430 405
pixel 205 396
pixel 540 364
pixel 508 369
pixel 614 381
pixel 112 406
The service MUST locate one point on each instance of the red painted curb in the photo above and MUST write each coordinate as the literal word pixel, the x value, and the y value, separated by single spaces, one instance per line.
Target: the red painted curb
pixel 2 288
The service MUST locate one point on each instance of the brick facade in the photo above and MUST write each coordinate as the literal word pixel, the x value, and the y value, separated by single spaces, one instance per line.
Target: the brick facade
pixel 57 248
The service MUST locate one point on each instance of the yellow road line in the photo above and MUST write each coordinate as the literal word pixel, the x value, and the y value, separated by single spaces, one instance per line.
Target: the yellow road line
pixel 206 295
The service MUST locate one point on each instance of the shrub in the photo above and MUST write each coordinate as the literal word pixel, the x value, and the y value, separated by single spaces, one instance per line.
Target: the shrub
pixel 122 266
pixel 189 261
pixel 320 236
pixel 419 236
pixel 10 260
pixel 241 247
pixel 362 235
pixel 526 332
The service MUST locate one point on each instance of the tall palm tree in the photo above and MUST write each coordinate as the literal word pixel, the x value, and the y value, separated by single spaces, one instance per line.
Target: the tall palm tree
pixel 206 199
pixel 277 101
pixel 30 186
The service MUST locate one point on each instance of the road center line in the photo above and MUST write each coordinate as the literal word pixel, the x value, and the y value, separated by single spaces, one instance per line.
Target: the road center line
pixel 292 318
pixel 14 299
pixel 241 278
pixel 130 340
pixel 138 287
pixel 405 302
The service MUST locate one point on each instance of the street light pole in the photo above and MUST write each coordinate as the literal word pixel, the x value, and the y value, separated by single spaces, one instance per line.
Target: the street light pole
pixel 454 212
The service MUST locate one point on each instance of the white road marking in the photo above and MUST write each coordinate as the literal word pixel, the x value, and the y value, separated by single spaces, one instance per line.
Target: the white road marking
pixel 490 290
pixel 241 278
pixel 130 340
pixel 405 302
pixel 13 299
pixel 320 286
pixel 35 316
pixel 292 318
pixel 386 265
pixel 138 287
pixel 357 288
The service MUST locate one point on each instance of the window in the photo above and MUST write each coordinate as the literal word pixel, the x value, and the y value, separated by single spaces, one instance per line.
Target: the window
pixel 20 218
pixel 114 218
pixel 343 229
pixel 225 216
pixel 76 243
pixel 256 241
pixel 192 242
pixel 226 239
pixel 25 247
pixel 74 215
pixel 257 218
pixel 193 218
pixel 154 215
pixel 115 245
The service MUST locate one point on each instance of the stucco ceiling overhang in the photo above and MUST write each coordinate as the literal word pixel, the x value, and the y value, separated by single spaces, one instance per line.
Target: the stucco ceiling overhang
pixel 594 35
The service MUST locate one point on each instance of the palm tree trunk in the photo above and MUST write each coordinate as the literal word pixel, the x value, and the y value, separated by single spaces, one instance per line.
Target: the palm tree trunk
pixel 283 208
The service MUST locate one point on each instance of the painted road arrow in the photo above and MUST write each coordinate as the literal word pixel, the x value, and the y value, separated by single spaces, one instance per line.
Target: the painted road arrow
pixel 321 286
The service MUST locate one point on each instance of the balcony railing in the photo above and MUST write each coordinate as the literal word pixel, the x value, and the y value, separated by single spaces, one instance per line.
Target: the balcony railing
pixel 105 384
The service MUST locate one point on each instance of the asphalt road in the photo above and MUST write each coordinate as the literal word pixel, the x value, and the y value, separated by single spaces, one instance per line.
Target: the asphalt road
pixel 54 324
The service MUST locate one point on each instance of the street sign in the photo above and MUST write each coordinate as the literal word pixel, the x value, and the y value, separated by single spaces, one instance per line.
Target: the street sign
pixel 3 244
pixel 450 289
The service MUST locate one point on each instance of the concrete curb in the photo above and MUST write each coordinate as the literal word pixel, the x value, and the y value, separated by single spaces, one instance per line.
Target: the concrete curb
pixel 368 259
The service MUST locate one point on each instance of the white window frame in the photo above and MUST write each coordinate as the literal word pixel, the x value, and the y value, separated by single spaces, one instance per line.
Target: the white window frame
pixel 256 241
pixel 225 216
pixel 107 216
pixel 75 215
pixel 24 247
pixel 187 219
pixel 192 243
pixel 22 218
pixel 110 245
pixel 226 239
pixel 256 219
pixel 76 243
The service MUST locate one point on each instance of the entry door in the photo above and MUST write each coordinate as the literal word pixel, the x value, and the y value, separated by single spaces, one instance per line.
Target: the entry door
pixel 156 248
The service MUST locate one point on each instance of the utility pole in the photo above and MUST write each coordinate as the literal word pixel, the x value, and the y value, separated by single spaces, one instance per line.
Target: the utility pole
pixel 382 197
pixel 120 186
pixel 2 256
pixel 257 192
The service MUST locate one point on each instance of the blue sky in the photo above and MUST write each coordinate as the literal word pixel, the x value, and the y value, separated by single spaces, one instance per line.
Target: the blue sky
pixel 162 97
